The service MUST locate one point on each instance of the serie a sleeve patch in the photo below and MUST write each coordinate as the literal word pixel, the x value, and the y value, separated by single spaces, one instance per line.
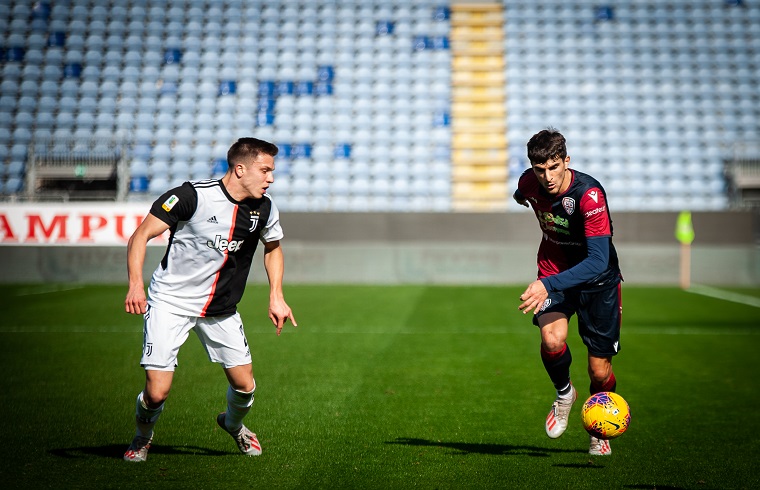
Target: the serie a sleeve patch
pixel 170 203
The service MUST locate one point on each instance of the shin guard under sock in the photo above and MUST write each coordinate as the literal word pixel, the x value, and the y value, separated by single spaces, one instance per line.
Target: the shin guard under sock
pixel 610 385
pixel 146 417
pixel 238 405
pixel 557 365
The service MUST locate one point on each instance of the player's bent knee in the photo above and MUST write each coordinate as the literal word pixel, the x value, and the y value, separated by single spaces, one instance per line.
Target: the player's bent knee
pixel 244 387
pixel 602 378
pixel 250 388
pixel 552 341
pixel 241 378
pixel 154 399
pixel 598 378
pixel 240 398
pixel 552 344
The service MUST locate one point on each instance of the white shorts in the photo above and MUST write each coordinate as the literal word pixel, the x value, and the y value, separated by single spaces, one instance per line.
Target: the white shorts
pixel 164 333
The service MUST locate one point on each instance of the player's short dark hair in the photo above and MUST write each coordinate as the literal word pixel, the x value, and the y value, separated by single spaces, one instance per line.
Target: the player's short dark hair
pixel 249 148
pixel 546 145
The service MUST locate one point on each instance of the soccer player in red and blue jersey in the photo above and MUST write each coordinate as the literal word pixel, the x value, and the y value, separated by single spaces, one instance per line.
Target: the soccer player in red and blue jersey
pixel 578 273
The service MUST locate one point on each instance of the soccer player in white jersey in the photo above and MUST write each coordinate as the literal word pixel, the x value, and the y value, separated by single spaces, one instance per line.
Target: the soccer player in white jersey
pixel 215 226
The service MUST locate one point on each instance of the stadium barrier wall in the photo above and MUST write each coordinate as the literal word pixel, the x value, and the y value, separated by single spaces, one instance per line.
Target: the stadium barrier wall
pixel 86 243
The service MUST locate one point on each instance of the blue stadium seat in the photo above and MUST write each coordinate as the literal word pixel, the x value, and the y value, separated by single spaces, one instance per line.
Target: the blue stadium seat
pixel 347 74
pixel 5 136
pixel 200 169
pixel 18 151
pixel 158 185
pixel 180 171
pixel 13 185
pixel 219 167
pixel 203 151
pixel 138 183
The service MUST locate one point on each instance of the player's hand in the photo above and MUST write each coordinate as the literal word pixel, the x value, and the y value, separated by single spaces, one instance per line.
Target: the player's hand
pixel 533 297
pixel 279 312
pixel 519 199
pixel 136 302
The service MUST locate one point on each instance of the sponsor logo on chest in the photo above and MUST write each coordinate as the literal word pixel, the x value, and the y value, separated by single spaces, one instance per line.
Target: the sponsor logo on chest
pixel 550 221
pixel 222 244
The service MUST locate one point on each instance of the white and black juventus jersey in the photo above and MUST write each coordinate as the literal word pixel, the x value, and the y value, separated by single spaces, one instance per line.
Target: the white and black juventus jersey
pixel 211 246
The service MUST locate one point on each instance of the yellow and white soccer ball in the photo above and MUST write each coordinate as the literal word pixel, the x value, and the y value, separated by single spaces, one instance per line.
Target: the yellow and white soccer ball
pixel 606 415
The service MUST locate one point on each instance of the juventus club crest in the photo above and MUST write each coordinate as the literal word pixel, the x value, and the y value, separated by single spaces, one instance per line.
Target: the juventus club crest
pixel 569 204
pixel 254 221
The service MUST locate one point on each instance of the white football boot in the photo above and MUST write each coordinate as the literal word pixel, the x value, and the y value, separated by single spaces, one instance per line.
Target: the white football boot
pixel 138 450
pixel 245 439
pixel 599 447
pixel 556 420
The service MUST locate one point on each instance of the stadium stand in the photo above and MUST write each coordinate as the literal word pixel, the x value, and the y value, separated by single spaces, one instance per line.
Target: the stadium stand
pixel 644 91
pixel 388 104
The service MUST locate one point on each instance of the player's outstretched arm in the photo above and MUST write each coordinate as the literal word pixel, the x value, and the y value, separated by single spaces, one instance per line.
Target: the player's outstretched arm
pixel 274 263
pixel 136 301
pixel 533 297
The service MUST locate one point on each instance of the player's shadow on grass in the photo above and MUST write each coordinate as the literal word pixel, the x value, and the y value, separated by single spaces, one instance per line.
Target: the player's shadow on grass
pixel 479 448
pixel 117 451
pixel 650 487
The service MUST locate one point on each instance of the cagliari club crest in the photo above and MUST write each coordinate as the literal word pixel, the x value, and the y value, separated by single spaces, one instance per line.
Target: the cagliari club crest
pixel 569 204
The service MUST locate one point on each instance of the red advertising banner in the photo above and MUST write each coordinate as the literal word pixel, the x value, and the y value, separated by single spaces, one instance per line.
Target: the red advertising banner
pixel 100 224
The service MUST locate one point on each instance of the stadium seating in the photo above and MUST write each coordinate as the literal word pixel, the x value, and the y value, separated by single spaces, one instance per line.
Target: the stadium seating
pixel 357 94
pixel 638 76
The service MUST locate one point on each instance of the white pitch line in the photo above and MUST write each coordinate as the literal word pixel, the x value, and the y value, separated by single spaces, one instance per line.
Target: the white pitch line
pixel 14 329
pixel 688 331
pixel 58 329
pixel 725 295
pixel 48 290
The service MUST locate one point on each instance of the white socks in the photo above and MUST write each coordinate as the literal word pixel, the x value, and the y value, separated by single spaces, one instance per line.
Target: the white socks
pixel 146 417
pixel 238 405
pixel 565 393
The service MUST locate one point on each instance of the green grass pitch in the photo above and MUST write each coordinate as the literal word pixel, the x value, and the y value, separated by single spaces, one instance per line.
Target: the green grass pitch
pixel 379 387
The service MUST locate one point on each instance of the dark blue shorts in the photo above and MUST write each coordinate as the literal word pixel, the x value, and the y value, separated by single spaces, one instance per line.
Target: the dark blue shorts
pixel 599 316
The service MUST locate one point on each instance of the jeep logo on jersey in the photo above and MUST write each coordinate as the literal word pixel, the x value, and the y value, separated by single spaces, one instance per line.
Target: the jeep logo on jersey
pixel 223 244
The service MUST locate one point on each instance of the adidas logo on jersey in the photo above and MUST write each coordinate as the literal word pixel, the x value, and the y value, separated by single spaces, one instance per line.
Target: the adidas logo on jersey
pixel 212 220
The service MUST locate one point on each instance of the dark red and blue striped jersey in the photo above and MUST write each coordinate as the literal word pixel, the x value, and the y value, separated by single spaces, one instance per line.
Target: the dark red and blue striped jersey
pixel 567 221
